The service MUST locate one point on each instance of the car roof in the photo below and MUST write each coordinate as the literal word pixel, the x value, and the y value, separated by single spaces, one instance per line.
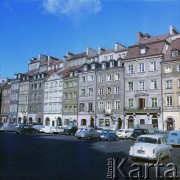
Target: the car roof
pixel 152 135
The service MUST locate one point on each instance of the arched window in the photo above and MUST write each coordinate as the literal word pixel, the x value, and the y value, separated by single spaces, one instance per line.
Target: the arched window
pixel 170 124
pixel 47 121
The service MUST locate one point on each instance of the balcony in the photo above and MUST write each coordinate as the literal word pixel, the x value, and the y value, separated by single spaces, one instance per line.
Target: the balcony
pixel 144 110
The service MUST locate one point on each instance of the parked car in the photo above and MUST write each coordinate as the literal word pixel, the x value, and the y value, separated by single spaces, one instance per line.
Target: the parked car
pixel 109 136
pixel 58 130
pixel 37 126
pixel 162 132
pixel 174 137
pixel 124 133
pixel 8 127
pixel 139 131
pixel 26 129
pixel 152 147
pixel 70 130
pixel 47 129
pixel 87 133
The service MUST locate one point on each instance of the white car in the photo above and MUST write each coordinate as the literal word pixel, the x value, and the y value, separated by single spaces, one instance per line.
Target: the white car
pixel 58 130
pixel 8 127
pixel 124 133
pixel 152 147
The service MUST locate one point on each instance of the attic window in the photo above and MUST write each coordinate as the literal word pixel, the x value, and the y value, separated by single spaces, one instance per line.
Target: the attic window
pixel 85 68
pixel 104 66
pixel 143 51
pixel 71 74
pixel 93 66
pixel 174 53
pixel 111 64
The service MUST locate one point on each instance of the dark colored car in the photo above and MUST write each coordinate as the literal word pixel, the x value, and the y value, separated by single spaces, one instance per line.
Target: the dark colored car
pixel 138 131
pixel 26 129
pixel 109 136
pixel 70 130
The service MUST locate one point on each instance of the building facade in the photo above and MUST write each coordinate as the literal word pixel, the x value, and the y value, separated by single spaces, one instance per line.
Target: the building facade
pixel 171 86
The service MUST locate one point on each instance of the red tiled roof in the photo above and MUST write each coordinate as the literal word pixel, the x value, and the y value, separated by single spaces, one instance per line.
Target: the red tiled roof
pixel 153 49
pixel 153 39
pixel 175 45
pixel 66 71
pixel 77 56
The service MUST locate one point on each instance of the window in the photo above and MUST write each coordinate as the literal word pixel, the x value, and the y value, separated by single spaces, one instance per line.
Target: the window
pixel 178 83
pixel 111 64
pixel 83 79
pixel 82 92
pixel 141 85
pixel 179 100
pixel 130 103
pixel 108 90
pixel 83 122
pixel 90 106
pixel 90 91
pixel 153 66
pixel 143 51
pixel 117 105
pixel 131 69
pixel 154 102
pixel 100 105
pixel 107 122
pixel 117 90
pixel 178 68
pixel 100 91
pixel 169 101
pixel 117 76
pixel 111 56
pixel 91 78
pixel 153 84
pixel 168 69
pixel 108 105
pixel 82 107
pixel 169 84
pixel 130 86
pixel 174 53
pixel 141 67
pixel 93 66
pixel 100 78
pixel 104 66
pixel 101 122
pixel 108 77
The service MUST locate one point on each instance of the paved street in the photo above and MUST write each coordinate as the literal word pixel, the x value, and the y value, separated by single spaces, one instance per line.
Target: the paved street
pixel 62 157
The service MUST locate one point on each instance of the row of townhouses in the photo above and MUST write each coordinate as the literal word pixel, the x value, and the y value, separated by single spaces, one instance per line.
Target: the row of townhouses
pixel 114 88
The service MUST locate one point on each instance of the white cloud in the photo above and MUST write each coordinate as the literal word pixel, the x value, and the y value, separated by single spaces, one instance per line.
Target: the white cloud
pixel 72 8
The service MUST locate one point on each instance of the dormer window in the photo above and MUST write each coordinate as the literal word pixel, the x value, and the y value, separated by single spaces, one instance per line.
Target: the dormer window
pixel 111 64
pixel 71 74
pixel 75 73
pixel 85 68
pixel 104 66
pixel 143 50
pixel 119 63
pixel 174 53
pixel 92 66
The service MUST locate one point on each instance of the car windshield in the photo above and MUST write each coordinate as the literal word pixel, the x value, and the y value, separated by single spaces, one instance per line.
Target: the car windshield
pixel 174 134
pixel 147 140
pixel 120 130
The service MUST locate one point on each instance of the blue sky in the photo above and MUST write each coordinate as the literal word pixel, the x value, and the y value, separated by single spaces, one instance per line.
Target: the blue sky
pixel 53 27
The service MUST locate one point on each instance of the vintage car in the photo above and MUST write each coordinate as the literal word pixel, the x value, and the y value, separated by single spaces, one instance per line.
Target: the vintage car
pixel 26 129
pixel 152 147
pixel 109 135
pixel 139 131
pixel 70 130
pixel 8 127
pixel 124 133
pixel 87 133
pixel 58 130
pixel 174 137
